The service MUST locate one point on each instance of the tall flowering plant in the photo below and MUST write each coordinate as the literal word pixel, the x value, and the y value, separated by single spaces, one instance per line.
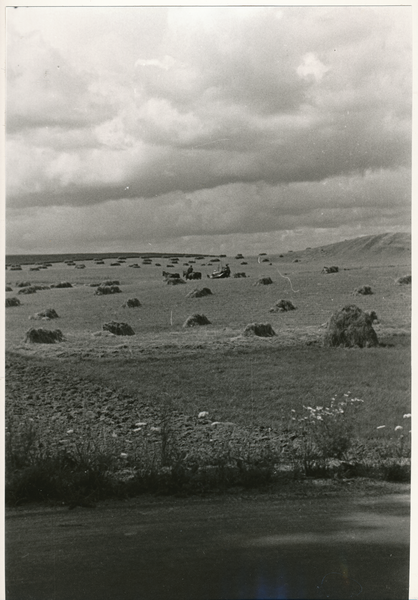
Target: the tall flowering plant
pixel 325 432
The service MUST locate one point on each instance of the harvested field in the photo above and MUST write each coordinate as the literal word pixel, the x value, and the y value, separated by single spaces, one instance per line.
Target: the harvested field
pixel 246 380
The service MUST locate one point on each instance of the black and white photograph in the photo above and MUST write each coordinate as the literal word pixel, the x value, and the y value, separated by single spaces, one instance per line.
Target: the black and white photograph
pixel 208 302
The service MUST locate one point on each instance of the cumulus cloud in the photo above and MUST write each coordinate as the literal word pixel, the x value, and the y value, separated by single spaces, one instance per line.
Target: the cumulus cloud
pixel 215 120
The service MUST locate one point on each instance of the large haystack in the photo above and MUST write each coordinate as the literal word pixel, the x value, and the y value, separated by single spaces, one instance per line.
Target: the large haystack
pixel 132 303
pixel 259 329
pixel 196 320
pixel 22 284
pixel 43 336
pixel 351 327
pixel 174 280
pixel 239 275
pixel 9 289
pixel 406 280
pixel 118 328
pixel 196 293
pixel 264 281
pixel 48 313
pixel 12 302
pixel 282 306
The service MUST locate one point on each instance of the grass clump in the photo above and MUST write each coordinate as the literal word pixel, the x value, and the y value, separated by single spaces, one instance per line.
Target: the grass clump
pixel 188 454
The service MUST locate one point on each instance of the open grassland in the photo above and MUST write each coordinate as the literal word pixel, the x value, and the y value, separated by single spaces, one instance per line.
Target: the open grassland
pixel 252 383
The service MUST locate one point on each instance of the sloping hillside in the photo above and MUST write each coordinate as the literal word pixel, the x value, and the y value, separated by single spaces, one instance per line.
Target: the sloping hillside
pixel 385 248
pixel 389 244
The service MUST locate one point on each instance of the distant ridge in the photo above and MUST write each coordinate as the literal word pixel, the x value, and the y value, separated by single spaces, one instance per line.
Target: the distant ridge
pixel 394 242
pixel 384 247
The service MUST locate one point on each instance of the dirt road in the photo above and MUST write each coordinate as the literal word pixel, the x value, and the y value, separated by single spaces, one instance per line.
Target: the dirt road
pixel 219 548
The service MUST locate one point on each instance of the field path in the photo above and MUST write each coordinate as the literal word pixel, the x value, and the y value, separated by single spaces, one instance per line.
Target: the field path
pixel 229 547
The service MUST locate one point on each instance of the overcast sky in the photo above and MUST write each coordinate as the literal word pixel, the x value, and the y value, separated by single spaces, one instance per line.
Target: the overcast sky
pixel 217 130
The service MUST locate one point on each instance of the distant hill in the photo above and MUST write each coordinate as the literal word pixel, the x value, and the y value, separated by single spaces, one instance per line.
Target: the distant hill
pixel 384 248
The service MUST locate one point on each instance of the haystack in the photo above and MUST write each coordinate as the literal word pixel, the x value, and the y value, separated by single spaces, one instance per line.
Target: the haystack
pixel 406 280
pixel 62 284
pixel 174 280
pixel 110 282
pixel 259 329
pixel 48 313
pixel 195 320
pixel 351 327
pixel 196 293
pixel 43 336
pixel 364 290
pixel 132 303
pixel 282 306
pixel 27 290
pixel 264 281
pixel 239 275
pixel 9 289
pixel 22 284
pixel 118 328
pixel 104 290
pixel 40 287
pixel 12 302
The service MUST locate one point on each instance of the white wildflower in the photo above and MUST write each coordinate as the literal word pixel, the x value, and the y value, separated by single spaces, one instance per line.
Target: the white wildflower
pixel 123 455
pixel 202 414
pixel 398 428
pixel 381 427
pixel 70 430
pixel 407 416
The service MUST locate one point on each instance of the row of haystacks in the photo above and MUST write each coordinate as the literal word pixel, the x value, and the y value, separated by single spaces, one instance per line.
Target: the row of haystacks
pixel 348 327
